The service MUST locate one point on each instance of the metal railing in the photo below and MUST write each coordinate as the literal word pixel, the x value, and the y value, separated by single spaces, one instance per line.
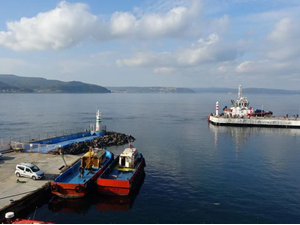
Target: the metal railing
pixel 35 148
pixel 26 142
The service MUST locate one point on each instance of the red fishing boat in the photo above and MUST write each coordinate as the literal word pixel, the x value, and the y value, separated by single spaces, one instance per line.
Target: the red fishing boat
pixel 9 216
pixel 76 180
pixel 124 175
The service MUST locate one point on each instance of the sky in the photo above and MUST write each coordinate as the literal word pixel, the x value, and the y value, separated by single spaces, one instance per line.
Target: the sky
pixel 173 43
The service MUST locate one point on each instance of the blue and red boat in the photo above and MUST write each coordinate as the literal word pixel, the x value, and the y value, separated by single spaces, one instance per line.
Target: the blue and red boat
pixel 76 180
pixel 124 175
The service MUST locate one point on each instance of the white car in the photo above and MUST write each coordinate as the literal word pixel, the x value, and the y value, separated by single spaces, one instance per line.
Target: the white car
pixel 29 170
pixel 1 155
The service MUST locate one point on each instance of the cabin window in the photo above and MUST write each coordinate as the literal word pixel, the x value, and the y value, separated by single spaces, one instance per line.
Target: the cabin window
pixel 123 161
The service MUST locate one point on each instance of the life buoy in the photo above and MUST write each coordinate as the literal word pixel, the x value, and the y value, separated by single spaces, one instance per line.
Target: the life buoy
pixel 54 187
pixel 78 189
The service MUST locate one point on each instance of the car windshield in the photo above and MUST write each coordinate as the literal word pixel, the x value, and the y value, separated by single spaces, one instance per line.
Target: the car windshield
pixel 34 168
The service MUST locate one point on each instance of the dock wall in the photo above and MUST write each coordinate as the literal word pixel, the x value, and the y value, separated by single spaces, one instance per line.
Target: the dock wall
pixel 27 203
pixel 55 140
pixel 256 122
pixel 54 143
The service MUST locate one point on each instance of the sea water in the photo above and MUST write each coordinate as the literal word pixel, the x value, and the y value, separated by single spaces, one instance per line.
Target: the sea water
pixel 195 173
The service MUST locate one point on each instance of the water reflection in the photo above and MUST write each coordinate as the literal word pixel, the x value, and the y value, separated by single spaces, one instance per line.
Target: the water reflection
pixel 240 135
pixel 102 202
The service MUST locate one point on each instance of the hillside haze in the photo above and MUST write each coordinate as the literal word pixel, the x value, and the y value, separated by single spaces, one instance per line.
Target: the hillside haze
pixel 17 84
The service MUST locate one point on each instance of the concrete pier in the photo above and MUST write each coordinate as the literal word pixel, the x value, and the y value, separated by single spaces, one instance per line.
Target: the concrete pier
pixel 279 122
pixel 12 191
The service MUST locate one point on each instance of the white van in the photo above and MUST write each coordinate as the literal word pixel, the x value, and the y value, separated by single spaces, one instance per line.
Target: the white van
pixel 29 170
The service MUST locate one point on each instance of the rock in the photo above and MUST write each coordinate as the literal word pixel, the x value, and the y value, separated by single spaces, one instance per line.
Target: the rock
pixel 110 139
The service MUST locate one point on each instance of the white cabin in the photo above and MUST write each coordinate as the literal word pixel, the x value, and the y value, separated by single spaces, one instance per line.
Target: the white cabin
pixel 240 107
pixel 127 158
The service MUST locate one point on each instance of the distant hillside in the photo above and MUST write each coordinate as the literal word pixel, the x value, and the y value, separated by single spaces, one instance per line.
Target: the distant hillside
pixel 16 84
pixel 246 90
pixel 149 90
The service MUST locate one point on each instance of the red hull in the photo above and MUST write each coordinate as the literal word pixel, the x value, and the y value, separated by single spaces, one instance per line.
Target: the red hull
pixel 122 187
pixel 25 221
pixel 67 190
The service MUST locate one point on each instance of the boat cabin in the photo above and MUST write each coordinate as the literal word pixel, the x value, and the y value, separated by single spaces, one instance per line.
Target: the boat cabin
pixel 93 158
pixel 128 158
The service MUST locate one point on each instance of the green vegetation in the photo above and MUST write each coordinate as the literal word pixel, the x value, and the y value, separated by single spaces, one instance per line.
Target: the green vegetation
pixel 16 84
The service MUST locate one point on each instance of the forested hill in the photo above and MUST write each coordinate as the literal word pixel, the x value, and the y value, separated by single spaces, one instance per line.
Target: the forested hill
pixel 150 90
pixel 17 84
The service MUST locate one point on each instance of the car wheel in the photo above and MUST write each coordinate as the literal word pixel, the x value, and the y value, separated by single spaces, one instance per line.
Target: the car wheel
pixel 18 174
pixel 33 177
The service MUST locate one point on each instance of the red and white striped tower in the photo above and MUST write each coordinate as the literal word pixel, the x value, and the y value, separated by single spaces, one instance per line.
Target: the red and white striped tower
pixel 217 108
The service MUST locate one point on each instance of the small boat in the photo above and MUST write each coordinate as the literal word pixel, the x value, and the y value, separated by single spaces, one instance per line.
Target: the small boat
pixel 9 216
pixel 262 113
pixel 76 180
pixel 124 175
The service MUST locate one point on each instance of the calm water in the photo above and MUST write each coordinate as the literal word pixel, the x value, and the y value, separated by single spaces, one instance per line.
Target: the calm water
pixel 196 172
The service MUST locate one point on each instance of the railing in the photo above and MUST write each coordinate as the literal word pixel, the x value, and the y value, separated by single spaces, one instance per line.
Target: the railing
pixel 46 135
pixel 34 148
pixel 26 142
pixel 5 142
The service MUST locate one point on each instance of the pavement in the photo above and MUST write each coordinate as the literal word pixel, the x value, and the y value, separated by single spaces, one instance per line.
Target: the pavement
pixel 11 190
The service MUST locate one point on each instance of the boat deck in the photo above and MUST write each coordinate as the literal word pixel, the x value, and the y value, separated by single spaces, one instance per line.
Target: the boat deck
pixel 121 173
pixel 73 176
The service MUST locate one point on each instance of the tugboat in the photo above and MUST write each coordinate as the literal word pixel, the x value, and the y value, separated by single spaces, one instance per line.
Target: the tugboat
pixel 240 108
pixel 124 175
pixel 76 180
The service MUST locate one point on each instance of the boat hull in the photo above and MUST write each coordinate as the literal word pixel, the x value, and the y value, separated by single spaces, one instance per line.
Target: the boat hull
pixel 122 187
pixel 71 184
pixel 66 190
pixel 28 221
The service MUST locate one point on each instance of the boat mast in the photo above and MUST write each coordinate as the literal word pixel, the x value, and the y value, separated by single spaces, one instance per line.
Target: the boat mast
pixel 240 92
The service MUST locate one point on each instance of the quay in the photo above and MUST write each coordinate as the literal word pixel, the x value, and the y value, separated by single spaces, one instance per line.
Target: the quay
pixel 15 196
pixel 279 122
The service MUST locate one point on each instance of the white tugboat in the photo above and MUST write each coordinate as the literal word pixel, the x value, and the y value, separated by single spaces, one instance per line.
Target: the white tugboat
pixel 241 114
pixel 241 108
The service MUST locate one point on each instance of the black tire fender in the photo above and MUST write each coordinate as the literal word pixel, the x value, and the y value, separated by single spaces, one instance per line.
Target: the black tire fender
pixel 54 187
pixel 78 189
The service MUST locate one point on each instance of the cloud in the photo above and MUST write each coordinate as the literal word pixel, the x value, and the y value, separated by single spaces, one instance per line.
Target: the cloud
pixel 63 27
pixel 284 39
pixel 209 50
pixel 71 23
pixel 164 70
pixel 72 66
pixel 10 66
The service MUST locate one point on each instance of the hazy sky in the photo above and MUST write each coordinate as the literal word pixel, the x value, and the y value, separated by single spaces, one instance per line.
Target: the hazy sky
pixel 183 43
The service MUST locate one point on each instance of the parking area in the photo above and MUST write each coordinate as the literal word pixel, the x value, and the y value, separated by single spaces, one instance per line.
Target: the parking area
pixel 14 188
